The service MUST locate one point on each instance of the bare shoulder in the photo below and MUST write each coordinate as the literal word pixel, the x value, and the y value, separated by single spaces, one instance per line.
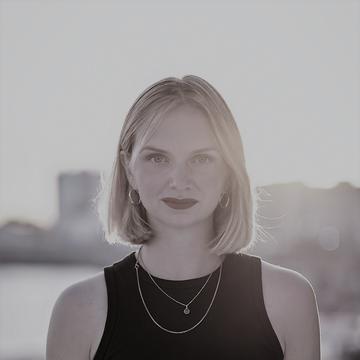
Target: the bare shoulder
pixel 287 280
pixel 77 320
pixel 291 305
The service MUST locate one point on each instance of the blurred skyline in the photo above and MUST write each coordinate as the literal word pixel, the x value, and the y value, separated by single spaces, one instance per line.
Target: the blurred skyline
pixel 70 70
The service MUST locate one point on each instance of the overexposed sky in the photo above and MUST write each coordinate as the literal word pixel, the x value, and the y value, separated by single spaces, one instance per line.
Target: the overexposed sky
pixel 70 70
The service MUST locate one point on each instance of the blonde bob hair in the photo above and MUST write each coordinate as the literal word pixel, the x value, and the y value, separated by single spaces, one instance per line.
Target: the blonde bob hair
pixel 125 222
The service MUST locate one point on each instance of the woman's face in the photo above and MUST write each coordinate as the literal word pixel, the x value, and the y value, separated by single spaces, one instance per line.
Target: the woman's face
pixel 181 160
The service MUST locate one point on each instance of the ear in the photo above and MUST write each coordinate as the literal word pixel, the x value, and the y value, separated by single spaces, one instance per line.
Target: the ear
pixel 125 160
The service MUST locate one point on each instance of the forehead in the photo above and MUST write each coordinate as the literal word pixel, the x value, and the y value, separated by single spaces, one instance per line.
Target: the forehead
pixel 186 126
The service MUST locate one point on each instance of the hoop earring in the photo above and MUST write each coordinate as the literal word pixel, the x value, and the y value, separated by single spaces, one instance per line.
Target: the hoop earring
pixel 131 199
pixel 221 204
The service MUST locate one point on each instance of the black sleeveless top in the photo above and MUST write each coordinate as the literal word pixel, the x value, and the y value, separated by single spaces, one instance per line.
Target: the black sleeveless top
pixel 236 327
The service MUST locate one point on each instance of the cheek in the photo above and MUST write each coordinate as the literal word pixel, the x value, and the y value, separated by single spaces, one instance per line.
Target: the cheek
pixel 214 176
pixel 212 186
pixel 151 173
pixel 149 181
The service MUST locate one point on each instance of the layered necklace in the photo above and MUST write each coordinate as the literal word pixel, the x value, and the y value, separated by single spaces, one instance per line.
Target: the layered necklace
pixel 186 310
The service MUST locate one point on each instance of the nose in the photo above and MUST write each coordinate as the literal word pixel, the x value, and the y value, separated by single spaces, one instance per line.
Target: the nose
pixel 180 177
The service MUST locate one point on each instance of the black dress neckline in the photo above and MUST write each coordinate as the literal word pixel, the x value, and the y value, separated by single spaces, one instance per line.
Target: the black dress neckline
pixel 188 283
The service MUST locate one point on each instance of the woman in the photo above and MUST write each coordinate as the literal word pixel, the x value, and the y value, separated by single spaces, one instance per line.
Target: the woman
pixel 180 191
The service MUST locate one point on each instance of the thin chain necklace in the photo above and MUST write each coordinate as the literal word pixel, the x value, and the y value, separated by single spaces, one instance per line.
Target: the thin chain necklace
pixel 152 318
pixel 186 309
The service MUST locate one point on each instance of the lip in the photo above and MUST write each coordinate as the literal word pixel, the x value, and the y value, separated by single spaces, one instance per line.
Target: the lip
pixel 179 203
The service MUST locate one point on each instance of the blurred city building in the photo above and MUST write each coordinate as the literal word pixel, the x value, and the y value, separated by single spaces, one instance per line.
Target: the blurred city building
pixel 77 213
pixel 76 236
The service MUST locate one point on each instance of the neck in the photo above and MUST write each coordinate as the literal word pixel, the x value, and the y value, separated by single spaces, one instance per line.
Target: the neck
pixel 178 260
pixel 180 252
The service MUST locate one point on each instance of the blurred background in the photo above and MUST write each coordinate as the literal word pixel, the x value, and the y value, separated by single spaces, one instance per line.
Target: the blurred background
pixel 69 72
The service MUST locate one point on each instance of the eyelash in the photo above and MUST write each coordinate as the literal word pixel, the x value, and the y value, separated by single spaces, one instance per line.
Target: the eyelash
pixel 150 157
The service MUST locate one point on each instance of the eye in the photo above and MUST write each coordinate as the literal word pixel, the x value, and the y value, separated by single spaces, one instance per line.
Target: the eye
pixel 155 158
pixel 203 159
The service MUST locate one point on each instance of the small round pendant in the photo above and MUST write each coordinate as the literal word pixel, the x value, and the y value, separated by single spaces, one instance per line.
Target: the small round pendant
pixel 186 311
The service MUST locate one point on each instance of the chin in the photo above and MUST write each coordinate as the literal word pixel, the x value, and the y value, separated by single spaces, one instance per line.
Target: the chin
pixel 182 220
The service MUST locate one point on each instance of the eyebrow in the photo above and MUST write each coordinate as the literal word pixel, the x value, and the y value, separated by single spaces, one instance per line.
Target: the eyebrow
pixel 166 152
